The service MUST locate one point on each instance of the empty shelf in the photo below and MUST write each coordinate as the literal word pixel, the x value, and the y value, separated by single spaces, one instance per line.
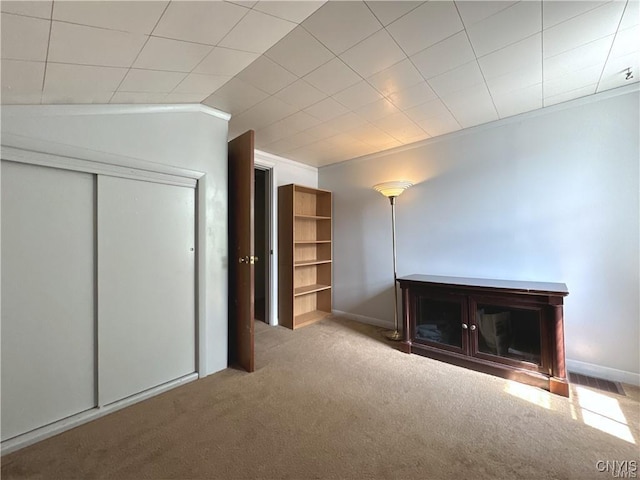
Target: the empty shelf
pixel 309 317
pixel 310 289
pixel 302 263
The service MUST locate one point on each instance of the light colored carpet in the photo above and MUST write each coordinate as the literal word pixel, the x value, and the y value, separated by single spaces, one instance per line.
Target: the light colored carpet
pixel 335 400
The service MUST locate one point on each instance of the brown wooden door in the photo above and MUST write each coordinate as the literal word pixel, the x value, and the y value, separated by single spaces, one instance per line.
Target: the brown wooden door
pixel 241 269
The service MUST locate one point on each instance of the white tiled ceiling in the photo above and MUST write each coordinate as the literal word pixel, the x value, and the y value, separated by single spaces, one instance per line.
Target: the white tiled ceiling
pixel 322 82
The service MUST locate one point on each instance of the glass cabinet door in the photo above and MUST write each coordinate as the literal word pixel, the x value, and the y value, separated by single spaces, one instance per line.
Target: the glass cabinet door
pixel 439 320
pixel 510 334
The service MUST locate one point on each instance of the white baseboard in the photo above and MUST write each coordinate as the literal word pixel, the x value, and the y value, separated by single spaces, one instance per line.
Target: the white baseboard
pixel 34 436
pixel 599 371
pixel 364 319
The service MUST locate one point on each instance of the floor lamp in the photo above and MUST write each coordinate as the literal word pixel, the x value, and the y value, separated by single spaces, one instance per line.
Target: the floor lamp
pixel 391 190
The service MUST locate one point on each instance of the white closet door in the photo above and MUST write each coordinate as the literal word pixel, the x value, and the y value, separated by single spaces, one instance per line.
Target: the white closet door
pixel 146 285
pixel 48 317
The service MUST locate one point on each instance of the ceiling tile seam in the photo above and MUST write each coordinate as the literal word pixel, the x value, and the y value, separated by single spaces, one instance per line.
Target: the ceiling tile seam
pixel 320 140
pixel 293 73
pixel 542 50
pixel 366 4
pixel 24 14
pixel 438 43
pixel 423 77
pixel 259 55
pixel 401 16
pixel 279 18
pixel 117 89
pixel 568 92
pixel 214 47
pixel 191 41
pixel 236 24
pixel 240 112
pixel 97 27
pixel 262 89
pixel 147 69
pixel 231 77
pixel 298 77
pixel 318 67
pixel 539 32
pixel 595 7
pixel 129 68
pixel 509 45
pixel 183 79
pixel 351 86
pixel 166 38
pixel 186 74
pixel 337 55
pixel 473 49
pixel 592 39
pixel 604 65
pixel 396 138
pixel 441 73
pixel 343 62
pixel 260 103
pixel 95 65
pixel 46 57
pixel 485 18
pixel 12 14
pixel 420 73
pixel 316 38
pixel 387 97
pixel 166 7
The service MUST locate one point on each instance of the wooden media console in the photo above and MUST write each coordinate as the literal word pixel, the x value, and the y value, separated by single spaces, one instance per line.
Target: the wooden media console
pixel 512 329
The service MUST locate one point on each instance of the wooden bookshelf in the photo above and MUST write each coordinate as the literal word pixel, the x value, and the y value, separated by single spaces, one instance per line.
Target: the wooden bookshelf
pixel 304 255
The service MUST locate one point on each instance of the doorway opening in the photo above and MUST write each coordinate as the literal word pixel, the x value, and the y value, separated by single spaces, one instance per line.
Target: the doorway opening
pixel 262 243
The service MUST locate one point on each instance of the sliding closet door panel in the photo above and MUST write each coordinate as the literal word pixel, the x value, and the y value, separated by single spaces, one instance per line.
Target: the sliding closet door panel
pixel 146 285
pixel 48 279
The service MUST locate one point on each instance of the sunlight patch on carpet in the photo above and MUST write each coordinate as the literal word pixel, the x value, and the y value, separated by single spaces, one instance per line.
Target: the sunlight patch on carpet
pixel 530 394
pixel 597 410
pixel 604 413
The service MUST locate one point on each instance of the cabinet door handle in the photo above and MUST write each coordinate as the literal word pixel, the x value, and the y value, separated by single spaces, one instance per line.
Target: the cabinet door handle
pixel 472 327
pixel 464 326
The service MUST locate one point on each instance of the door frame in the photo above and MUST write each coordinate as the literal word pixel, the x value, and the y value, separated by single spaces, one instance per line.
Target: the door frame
pixel 262 163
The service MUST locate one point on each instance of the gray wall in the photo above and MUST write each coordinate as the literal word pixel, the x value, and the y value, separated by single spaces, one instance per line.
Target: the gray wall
pixel 545 196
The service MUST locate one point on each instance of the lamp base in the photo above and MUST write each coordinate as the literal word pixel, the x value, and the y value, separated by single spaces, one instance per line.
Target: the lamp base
pixel 393 335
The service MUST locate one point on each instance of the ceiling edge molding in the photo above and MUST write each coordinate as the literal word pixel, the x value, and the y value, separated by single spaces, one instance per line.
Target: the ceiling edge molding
pixel 17 147
pixel 111 109
pixel 596 97
pixel 270 157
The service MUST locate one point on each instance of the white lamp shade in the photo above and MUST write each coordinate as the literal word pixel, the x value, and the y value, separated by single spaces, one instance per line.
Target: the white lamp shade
pixel 392 189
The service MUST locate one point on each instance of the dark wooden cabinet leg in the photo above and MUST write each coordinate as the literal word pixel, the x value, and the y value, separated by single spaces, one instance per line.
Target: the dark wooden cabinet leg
pixel 559 386
pixel 405 345
pixel 558 382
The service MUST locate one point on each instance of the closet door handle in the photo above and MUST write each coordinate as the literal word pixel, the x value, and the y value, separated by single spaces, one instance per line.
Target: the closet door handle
pixel 464 326
pixel 472 327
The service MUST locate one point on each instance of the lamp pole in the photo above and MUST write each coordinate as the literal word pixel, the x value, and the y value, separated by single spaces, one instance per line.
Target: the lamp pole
pixel 395 335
